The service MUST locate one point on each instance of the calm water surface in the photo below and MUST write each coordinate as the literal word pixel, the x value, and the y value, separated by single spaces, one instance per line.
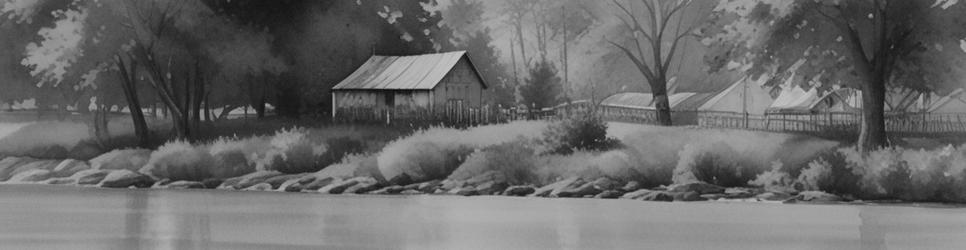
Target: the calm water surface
pixel 49 217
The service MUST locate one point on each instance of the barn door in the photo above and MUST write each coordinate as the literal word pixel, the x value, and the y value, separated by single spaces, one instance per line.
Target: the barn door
pixel 390 99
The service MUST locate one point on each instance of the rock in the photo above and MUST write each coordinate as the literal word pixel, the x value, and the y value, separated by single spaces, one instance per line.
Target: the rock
pixel 491 187
pixel 9 164
pixel 185 185
pixel 657 196
pixel 126 178
pixel 212 183
pixel 816 197
pixel 648 195
pixel 318 183
pixel 260 187
pixel 161 183
pixel 555 188
pixel 339 186
pixel 714 197
pixel 30 176
pixel 401 179
pixel 411 192
pixel 631 186
pixel 69 167
pixel 394 189
pixel 519 190
pixel 291 185
pixel 699 187
pixel 447 185
pixel 248 180
pixel 465 191
pixel 489 176
pixel 130 159
pixel 60 181
pixel 34 165
pixel 636 194
pixel 277 181
pixel 687 196
pixel 604 183
pixel 587 189
pixel 609 194
pixel 429 186
pixel 365 185
pixel 90 176
pixel 773 196
pixel 740 193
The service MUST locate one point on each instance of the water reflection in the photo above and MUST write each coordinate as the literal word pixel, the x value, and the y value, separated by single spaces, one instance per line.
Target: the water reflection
pixel 155 221
pixel 63 218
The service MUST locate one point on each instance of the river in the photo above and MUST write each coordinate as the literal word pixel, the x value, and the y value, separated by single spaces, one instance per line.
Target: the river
pixel 55 217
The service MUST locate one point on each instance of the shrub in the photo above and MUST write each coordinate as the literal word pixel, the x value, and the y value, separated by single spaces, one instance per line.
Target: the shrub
pixel 514 160
pixel 715 163
pixel 291 151
pixel 233 157
pixel 179 160
pixel 775 179
pixel 581 131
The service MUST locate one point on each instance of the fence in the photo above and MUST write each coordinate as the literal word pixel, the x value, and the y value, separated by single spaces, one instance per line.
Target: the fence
pixel 450 115
pixel 835 122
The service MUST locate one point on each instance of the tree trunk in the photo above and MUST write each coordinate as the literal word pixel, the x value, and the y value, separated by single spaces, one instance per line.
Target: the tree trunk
pixel 129 84
pixel 662 103
pixel 872 134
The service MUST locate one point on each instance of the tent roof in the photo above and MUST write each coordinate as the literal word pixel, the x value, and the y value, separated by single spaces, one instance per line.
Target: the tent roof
pixel 952 103
pixel 417 72
pixel 795 99
pixel 646 101
pixel 744 95
pixel 628 100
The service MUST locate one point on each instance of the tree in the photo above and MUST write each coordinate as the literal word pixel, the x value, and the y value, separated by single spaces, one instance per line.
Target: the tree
pixel 542 89
pixel 171 49
pixel 872 45
pixel 652 27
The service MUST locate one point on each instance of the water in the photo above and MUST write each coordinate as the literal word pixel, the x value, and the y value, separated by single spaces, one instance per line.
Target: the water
pixel 51 217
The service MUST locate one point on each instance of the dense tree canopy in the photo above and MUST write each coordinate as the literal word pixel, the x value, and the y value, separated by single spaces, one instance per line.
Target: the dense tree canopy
pixel 872 45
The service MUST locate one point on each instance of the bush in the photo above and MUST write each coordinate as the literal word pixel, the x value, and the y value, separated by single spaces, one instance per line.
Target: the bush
pixel 891 173
pixel 715 163
pixel 179 160
pixel 775 179
pixel 291 151
pixel 233 157
pixel 436 152
pixel 581 131
pixel 514 160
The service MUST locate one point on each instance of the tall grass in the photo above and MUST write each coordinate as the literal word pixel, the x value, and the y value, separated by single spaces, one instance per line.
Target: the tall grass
pixel 937 175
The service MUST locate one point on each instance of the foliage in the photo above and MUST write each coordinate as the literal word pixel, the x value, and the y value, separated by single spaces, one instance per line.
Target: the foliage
pixel 715 163
pixel 179 160
pixel 542 89
pixel 579 131
pixel 514 160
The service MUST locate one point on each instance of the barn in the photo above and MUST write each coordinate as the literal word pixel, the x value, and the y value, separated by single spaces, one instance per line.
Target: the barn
pixel 411 83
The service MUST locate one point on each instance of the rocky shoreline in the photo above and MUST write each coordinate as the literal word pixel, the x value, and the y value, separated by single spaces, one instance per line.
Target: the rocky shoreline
pixel 17 170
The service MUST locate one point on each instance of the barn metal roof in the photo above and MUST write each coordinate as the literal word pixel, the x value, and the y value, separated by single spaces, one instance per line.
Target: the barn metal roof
pixel 416 72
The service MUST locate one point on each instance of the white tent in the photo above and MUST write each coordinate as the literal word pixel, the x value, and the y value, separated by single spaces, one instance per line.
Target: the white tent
pixel 743 96
pixel 839 100
pixel 795 99
pixel 952 103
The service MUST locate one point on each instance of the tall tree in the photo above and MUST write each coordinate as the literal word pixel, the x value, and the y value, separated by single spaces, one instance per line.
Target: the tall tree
pixel 871 45
pixel 657 28
pixel 542 89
